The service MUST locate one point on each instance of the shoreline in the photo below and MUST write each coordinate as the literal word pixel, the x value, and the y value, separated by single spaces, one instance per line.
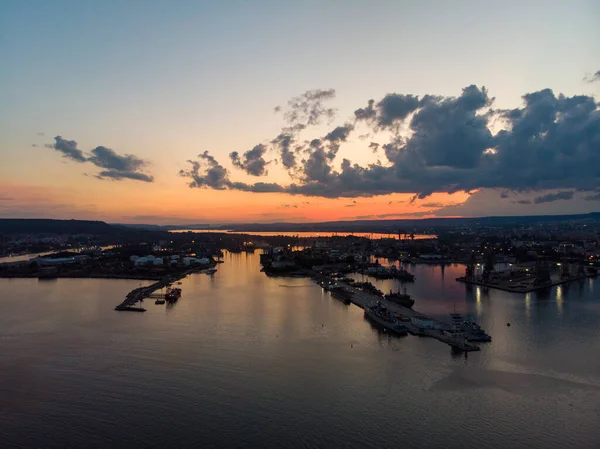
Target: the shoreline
pixel 82 276
pixel 530 289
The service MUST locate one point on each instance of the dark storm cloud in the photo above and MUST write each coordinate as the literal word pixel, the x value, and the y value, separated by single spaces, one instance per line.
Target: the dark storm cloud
pixel 550 197
pixel 253 161
pixel 550 142
pixel 115 166
pixel 595 197
pixel 68 148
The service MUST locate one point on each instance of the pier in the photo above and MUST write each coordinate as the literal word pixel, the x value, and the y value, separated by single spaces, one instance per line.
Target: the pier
pixel 364 299
pixel 139 294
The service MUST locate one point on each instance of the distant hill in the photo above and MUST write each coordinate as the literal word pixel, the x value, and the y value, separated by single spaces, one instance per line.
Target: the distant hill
pixel 416 224
pixel 46 226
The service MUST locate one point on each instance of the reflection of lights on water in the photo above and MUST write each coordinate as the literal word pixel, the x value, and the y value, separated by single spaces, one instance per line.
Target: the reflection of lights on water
pixel 527 304
pixel 478 300
pixel 559 298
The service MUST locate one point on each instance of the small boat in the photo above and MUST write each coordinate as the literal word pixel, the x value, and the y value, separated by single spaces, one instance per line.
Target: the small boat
pixel 159 301
pixel 172 295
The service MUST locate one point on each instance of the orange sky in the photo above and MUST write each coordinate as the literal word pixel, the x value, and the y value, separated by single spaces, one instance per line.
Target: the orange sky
pixel 153 204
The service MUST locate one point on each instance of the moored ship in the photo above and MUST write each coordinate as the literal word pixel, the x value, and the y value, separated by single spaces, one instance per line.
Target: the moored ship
pixel 172 295
pixel 403 299
pixel 381 315
pixel 341 294
pixel 471 330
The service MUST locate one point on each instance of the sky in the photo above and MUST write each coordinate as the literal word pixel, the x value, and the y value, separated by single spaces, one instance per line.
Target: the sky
pixel 175 112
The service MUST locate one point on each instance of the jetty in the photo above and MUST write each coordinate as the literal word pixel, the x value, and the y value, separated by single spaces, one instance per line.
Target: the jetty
pixel 430 327
pixel 137 295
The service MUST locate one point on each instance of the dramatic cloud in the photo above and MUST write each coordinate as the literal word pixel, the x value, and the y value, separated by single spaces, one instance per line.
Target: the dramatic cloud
pixel 522 202
pixel 374 146
pixel 283 142
pixel 550 197
pixel 335 137
pixel 106 158
pixel 390 112
pixel 207 172
pixel 394 108
pixel 115 166
pixel 595 197
pixel 444 144
pixel 253 163
pixel 68 148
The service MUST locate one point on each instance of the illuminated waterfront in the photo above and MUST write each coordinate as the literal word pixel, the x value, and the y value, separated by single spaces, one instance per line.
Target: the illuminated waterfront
pixel 276 362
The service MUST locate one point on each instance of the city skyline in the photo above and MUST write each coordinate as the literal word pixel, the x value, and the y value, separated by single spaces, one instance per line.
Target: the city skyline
pixel 212 113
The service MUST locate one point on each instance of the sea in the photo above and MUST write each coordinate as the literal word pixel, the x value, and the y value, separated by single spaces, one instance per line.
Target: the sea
pixel 247 361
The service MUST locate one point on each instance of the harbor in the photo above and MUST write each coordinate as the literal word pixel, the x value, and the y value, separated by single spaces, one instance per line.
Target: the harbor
pixel 137 295
pixel 416 323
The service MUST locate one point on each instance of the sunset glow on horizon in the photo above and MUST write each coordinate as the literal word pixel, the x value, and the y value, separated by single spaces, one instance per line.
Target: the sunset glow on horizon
pixel 200 113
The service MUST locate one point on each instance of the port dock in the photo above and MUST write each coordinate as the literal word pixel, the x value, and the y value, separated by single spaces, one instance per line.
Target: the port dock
pixel 139 294
pixel 364 299
pixel 523 286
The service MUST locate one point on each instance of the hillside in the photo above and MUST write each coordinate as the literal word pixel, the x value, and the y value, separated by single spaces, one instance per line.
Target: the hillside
pixel 47 226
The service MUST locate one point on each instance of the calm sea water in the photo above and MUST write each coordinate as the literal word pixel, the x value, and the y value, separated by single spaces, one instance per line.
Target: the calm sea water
pixel 309 234
pixel 243 360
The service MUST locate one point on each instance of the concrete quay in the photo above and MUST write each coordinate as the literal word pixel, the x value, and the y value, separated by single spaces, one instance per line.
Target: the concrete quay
pixel 522 286
pixel 138 294
pixel 364 299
